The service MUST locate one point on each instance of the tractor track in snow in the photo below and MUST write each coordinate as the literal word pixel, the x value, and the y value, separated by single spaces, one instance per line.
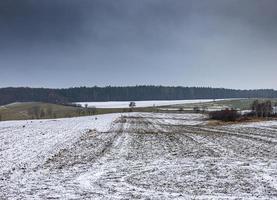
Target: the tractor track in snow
pixel 158 156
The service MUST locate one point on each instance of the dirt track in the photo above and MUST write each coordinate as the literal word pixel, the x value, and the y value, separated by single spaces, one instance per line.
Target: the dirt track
pixel 158 156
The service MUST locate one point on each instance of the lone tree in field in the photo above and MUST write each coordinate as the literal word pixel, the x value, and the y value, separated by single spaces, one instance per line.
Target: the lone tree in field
pixel 132 105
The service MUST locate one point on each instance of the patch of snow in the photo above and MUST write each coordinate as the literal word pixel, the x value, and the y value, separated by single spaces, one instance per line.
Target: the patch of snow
pixel 31 142
pixel 262 124
pixel 274 110
pixel 139 104
pixel 137 156
pixel 244 112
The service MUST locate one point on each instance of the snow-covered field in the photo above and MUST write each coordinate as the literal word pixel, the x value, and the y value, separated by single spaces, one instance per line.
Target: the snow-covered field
pixel 137 156
pixel 140 104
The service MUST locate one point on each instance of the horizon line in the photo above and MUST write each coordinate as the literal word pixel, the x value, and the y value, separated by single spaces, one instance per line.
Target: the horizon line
pixel 124 86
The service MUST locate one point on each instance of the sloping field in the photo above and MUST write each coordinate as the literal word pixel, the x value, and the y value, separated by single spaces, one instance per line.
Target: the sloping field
pixel 25 110
pixel 137 156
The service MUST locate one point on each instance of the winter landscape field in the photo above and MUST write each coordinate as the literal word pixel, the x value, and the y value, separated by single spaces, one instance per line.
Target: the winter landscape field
pixel 137 156
pixel 142 99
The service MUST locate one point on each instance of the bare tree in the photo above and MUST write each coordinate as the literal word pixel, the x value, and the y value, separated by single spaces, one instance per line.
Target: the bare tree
pixel 263 109
pixel 42 113
pixel 30 113
pixel 132 104
pixel 154 109
pixel 93 110
pixel 204 108
pixel 79 111
pixel 255 106
pixel 268 108
pixel 86 108
pixel 49 111
pixel 34 112
pixel 196 109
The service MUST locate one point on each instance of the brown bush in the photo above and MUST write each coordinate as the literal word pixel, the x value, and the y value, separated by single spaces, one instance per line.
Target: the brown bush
pixel 225 115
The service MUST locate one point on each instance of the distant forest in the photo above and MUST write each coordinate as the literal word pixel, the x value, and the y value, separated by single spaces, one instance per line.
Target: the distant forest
pixel 132 93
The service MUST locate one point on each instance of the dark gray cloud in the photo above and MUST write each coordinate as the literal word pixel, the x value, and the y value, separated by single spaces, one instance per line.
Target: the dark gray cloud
pixel 60 43
pixel 31 21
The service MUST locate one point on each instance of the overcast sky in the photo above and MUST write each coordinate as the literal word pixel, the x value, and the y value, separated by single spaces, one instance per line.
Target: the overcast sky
pixel 64 43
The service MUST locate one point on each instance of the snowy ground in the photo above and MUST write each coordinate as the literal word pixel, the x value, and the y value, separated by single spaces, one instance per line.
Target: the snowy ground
pixel 140 104
pixel 137 156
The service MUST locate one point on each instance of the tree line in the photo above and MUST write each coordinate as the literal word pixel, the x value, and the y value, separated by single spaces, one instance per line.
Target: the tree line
pixel 43 112
pixel 259 109
pixel 129 93
pixel 263 109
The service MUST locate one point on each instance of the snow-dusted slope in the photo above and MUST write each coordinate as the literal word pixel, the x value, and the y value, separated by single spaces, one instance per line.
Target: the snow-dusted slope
pixel 137 156
pixel 30 143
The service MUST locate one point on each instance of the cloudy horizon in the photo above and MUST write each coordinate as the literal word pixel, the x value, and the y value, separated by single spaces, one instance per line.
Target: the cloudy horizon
pixel 66 43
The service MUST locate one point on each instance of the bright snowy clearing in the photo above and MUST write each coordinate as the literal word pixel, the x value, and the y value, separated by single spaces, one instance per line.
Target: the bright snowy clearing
pixel 137 156
pixel 141 104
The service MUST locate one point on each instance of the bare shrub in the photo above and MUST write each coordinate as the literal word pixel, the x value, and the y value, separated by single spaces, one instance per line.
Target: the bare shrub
pixel 225 115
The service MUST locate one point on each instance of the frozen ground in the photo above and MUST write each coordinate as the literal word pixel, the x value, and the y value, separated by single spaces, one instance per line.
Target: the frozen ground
pixel 140 104
pixel 137 156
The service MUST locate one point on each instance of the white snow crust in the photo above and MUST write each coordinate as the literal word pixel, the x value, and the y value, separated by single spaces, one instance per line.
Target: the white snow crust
pixel 139 104
pixel 137 156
